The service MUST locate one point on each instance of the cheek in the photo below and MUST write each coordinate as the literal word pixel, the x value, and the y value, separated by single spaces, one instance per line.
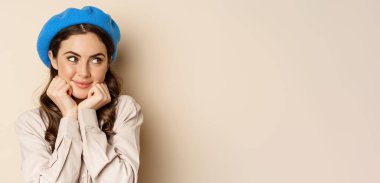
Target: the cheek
pixel 66 72
pixel 99 74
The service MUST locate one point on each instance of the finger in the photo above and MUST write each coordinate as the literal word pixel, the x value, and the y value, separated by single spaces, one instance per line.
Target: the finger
pixel 91 92
pixel 107 92
pixel 70 91
pixel 105 87
pixel 52 86
pixel 62 87
pixel 104 97
pixel 67 88
pixel 60 84
pixel 59 78
pixel 100 91
pixel 53 90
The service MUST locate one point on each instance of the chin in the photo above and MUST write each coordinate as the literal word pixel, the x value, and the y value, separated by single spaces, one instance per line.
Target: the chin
pixel 79 95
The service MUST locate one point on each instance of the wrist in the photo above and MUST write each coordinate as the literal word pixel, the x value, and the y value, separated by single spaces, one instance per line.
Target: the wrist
pixel 80 107
pixel 72 113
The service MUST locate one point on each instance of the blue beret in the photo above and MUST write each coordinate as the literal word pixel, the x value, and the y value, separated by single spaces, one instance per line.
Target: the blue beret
pixel 72 16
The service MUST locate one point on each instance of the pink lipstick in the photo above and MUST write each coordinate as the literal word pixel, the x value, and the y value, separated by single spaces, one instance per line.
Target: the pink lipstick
pixel 83 85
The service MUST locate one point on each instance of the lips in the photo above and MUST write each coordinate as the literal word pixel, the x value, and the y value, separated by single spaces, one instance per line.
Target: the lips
pixel 82 84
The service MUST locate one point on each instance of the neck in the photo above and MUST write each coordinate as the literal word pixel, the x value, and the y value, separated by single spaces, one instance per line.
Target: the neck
pixel 77 100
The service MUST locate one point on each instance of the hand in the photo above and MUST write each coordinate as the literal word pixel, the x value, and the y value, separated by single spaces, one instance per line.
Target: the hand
pixel 59 91
pixel 98 96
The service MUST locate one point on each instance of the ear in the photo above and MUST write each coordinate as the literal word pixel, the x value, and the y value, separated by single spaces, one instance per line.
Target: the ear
pixel 53 61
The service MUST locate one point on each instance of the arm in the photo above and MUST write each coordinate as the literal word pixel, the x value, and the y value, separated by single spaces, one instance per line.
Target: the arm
pixel 38 164
pixel 118 159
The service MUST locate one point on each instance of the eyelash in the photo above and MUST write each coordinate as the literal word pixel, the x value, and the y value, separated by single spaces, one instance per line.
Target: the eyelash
pixel 76 59
pixel 68 58
pixel 99 60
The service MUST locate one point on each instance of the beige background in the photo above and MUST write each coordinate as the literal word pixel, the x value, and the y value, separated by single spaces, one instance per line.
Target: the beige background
pixel 232 91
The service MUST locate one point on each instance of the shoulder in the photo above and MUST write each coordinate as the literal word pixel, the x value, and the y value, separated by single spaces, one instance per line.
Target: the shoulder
pixel 128 110
pixel 30 121
pixel 126 101
pixel 127 106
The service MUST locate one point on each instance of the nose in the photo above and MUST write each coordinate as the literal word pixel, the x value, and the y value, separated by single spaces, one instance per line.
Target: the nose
pixel 83 70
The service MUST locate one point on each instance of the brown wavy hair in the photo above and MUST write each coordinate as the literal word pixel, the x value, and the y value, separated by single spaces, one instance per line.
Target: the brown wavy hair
pixel 49 111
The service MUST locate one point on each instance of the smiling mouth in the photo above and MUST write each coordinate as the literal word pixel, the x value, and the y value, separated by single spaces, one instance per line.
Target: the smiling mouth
pixel 82 85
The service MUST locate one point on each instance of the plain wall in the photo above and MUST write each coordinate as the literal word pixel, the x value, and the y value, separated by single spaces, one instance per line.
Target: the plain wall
pixel 232 91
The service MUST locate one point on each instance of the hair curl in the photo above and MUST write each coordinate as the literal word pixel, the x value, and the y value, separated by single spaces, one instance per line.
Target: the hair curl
pixel 49 110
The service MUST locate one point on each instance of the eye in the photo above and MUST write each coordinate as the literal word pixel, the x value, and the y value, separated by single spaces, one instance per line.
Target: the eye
pixel 72 58
pixel 96 60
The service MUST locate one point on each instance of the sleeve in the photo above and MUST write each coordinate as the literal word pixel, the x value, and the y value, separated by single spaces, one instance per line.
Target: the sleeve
pixel 115 160
pixel 38 164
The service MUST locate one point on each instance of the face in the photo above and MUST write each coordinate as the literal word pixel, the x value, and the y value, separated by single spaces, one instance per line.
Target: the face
pixel 82 62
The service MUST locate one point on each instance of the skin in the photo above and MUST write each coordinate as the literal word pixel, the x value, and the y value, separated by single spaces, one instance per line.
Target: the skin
pixel 80 59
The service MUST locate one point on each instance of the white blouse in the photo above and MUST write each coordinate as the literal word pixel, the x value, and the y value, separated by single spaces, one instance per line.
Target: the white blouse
pixel 82 152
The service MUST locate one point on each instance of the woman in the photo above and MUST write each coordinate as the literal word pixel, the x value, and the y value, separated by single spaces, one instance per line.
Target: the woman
pixel 83 131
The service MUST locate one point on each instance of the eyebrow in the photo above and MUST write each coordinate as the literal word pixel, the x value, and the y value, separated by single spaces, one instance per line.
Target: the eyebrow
pixel 97 54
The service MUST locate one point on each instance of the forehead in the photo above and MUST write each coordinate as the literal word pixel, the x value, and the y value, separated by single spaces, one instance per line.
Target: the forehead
pixel 83 44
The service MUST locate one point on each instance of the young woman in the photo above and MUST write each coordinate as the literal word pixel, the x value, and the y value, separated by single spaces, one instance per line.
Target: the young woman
pixel 83 131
